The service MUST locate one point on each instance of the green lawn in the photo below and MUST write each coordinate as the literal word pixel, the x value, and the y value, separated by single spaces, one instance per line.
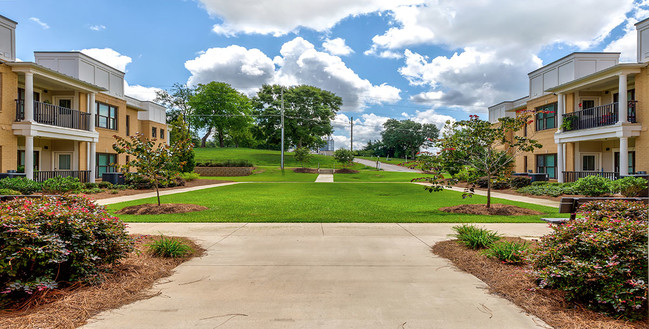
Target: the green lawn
pixel 270 174
pixel 264 158
pixel 393 161
pixel 325 202
pixel 377 176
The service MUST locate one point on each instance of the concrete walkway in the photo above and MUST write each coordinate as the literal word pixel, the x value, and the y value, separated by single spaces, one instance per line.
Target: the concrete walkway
pixel 325 178
pixel 520 198
pixel 311 275
pixel 153 194
pixel 385 166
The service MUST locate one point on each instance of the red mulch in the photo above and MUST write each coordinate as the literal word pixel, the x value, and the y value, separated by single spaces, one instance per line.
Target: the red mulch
pixel 155 209
pixel 517 285
pixel 346 171
pixel 496 209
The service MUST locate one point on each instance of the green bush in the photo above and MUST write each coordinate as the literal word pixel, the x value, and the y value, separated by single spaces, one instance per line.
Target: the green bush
pixel 593 185
pixel 517 182
pixel 90 185
pixel 629 186
pixel 51 242
pixel 496 183
pixel 140 183
pixel 60 184
pixel 189 176
pixel 6 191
pixel 598 260
pixel 169 248
pixel 344 156
pixel 551 189
pixel 509 252
pixel 474 237
pixel 22 185
pixel 467 174
pixel 91 190
pixel 105 184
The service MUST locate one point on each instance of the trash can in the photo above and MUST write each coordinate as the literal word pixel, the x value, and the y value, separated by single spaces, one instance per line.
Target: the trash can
pixel 12 175
pixel 538 177
pixel 115 178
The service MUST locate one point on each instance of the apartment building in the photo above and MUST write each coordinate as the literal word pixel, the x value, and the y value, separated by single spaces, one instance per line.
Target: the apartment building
pixel 64 109
pixel 591 114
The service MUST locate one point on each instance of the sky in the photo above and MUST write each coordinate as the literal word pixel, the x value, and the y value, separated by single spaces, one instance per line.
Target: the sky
pixel 425 60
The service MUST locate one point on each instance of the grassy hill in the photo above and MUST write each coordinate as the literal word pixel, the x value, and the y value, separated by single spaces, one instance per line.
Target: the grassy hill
pixel 263 158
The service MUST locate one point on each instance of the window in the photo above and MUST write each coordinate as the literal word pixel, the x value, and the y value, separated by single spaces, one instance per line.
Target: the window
pixel 547 163
pixel 525 164
pixel 106 116
pixel 128 125
pixel 106 162
pixel 631 162
pixel 546 117
pixel 162 134
pixel 67 103
pixel 21 159
pixel 153 132
pixel 588 163
pixel 588 105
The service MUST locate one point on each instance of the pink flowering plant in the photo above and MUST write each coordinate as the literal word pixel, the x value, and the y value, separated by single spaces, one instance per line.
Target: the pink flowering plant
pixel 599 260
pixel 51 242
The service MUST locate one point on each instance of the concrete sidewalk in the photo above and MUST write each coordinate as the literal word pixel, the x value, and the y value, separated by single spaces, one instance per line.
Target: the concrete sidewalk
pixel 311 275
pixel 385 166
pixel 325 178
pixel 153 194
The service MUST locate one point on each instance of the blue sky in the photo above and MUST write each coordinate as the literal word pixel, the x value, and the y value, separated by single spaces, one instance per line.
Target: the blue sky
pixel 427 60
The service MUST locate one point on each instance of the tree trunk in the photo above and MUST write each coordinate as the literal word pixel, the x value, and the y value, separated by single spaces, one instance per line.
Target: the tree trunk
pixel 220 132
pixel 488 191
pixel 157 191
pixel 207 135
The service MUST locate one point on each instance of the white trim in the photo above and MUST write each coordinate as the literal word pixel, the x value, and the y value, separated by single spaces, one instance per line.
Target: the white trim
pixel 41 130
pixel 599 133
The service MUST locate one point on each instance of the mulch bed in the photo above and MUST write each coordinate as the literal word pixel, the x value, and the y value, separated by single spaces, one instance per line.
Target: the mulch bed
pixel 155 209
pixel 346 171
pixel 71 307
pixel 305 170
pixel 118 193
pixel 517 285
pixel 496 209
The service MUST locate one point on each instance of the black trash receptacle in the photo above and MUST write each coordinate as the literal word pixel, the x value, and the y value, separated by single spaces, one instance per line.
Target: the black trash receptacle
pixel 115 178
pixel 538 177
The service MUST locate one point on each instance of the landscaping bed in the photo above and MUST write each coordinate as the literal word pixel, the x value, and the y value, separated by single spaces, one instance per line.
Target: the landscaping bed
pixel 164 208
pixel 305 170
pixel 515 283
pixel 128 281
pixel 117 193
pixel 495 209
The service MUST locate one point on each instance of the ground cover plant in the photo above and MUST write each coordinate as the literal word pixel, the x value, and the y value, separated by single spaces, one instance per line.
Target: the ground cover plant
pixel 475 237
pixel 169 247
pixel 307 202
pixel 510 252
pixel 23 185
pixel 549 188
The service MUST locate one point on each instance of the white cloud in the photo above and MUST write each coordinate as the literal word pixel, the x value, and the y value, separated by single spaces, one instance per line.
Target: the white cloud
pixel 244 69
pixel 429 116
pixel 39 22
pixel 337 47
pixel 140 92
pixel 367 127
pixel 97 27
pixel 280 17
pixel 109 57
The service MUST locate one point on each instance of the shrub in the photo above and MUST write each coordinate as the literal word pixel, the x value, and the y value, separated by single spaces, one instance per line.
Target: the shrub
pixel 629 186
pixel 189 176
pixel 90 185
pixel 91 190
pixel 509 252
pixel 143 184
pixel 551 189
pixel 593 185
pixel 22 185
pixel 600 263
pixel 474 237
pixel 467 174
pixel 6 191
pixel 169 248
pixel 58 184
pixel 47 242
pixel 496 183
pixel 517 182
pixel 344 157
pixel 105 184
pixel 302 155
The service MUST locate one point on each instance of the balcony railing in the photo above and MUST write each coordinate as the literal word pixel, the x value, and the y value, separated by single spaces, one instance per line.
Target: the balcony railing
pixel 573 176
pixel 599 116
pixel 82 175
pixel 54 115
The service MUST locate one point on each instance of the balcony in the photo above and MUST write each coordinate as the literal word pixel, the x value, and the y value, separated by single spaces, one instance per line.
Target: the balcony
pixel 82 175
pixel 599 116
pixel 54 115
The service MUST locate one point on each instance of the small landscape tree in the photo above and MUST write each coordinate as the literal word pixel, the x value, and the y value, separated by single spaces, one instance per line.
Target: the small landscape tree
pixel 155 162
pixel 488 148
pixel 179 133
pixel 302 155
pixel 344 157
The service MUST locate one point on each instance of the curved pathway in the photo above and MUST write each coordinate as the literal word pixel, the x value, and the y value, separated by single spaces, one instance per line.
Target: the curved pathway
pixel 385 166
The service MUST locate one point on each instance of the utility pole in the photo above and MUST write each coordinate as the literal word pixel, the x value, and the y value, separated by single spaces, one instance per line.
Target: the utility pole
pixel 282 97
pixel 351 134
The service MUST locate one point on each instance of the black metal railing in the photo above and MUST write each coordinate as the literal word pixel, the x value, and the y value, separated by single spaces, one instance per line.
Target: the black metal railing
pixel 55 115
pixel 599 116
pixel 82 175
pixel 573 176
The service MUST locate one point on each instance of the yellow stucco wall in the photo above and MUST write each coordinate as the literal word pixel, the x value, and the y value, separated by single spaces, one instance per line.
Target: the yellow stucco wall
pixel 642 112
pixel 8 142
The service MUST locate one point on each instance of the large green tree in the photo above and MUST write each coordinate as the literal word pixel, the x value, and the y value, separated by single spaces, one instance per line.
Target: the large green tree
pixel 407 137
pixel 220 109
pixel 308 112
pixel 176 100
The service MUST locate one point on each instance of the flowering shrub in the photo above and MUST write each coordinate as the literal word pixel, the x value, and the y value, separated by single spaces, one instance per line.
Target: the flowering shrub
pixel 47 241
pixel 593 185
pixel 599 260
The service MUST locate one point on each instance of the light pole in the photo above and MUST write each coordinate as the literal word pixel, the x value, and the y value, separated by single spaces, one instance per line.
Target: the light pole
pixel 282 98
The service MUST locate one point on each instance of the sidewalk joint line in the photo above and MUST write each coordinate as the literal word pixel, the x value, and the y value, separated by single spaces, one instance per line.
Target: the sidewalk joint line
pixel 416 237
pixel 227 236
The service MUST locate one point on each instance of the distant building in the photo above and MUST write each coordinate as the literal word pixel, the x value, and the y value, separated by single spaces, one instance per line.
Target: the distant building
pixel 328 149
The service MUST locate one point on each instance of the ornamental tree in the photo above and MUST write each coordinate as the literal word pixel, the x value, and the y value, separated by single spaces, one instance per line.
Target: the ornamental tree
pixel 488 148
pixel 344 156
pixel 302 155
pixel 156 163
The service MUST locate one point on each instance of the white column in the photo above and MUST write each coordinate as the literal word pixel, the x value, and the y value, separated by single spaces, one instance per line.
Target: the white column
pixel 560 163
pixel 92 108
pixel 624 155
pixel 560 111
pixel 622 101
pixel 29 97
pixel 75 156
pixel 29 157
pixel 91 163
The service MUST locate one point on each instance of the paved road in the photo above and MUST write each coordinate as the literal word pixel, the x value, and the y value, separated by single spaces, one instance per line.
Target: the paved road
pixel 311 275
pixel 385 166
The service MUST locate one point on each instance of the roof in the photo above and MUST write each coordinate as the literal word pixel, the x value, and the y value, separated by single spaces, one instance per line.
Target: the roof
pixel 602 73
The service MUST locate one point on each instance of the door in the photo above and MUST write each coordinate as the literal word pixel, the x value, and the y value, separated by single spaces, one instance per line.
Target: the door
pixel 631 162
pixel 590 162
pixel 63 161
